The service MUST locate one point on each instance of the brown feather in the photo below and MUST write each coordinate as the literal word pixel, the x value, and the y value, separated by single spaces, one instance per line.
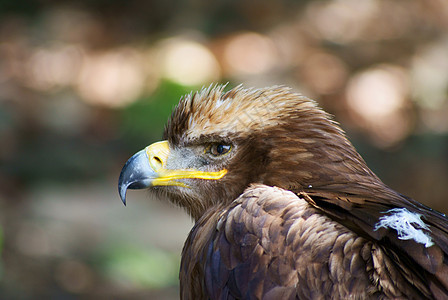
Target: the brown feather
pixel 297 214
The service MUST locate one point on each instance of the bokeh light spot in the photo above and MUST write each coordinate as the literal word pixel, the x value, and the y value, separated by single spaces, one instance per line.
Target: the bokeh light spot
pixel 249 53
pixel 378 99
pixel 188 62
pixel 114 78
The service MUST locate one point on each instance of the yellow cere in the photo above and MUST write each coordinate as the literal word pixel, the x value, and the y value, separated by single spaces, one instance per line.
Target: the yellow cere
pixel 158 154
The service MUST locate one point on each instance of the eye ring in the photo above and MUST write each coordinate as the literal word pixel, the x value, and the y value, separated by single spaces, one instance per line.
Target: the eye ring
pixel 218 149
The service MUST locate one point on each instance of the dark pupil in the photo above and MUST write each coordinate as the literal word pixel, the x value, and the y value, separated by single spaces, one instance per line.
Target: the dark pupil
pixel 220 148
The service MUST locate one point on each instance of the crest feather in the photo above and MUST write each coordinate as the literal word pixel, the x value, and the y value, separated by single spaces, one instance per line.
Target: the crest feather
pixel 211 111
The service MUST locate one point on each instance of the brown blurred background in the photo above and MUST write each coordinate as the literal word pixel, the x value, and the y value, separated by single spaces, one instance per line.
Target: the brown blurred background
pixel 85 84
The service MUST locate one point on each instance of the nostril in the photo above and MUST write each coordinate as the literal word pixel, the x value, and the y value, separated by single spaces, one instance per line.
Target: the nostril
pixel 158 160
pixel 155 162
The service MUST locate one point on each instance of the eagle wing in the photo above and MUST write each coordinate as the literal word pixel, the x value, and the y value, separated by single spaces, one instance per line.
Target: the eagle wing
pixel 273 244
pixel 405 227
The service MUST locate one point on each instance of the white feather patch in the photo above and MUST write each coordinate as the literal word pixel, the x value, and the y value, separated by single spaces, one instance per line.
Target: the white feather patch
pixel 408 225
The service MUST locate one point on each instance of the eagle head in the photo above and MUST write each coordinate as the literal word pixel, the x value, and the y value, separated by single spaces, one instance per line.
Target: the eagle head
pixel 218 143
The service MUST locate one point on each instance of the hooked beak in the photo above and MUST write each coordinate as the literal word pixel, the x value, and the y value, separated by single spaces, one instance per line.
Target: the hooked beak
pixel 136 174
pixel 147 168
pixel 140 170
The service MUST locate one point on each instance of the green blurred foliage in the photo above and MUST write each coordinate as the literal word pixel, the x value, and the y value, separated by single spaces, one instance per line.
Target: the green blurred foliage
pixel 54 156
pixel 143 121
pixel 141 267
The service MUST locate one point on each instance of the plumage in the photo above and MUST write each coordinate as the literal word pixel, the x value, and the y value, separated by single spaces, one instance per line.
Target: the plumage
pixel 284 206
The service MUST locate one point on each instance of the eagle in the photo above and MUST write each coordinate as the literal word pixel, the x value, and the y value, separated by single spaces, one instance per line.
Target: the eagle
pixel 284 206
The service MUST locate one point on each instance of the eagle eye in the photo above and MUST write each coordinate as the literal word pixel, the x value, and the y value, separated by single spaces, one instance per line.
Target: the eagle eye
pixel 218 149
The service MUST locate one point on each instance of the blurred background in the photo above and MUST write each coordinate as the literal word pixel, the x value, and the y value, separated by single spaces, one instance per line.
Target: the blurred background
pixel 86 84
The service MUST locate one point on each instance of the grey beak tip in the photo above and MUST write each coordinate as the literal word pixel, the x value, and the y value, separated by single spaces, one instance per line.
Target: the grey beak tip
pixel 136 174
pixel 122 186
pixel 122 191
